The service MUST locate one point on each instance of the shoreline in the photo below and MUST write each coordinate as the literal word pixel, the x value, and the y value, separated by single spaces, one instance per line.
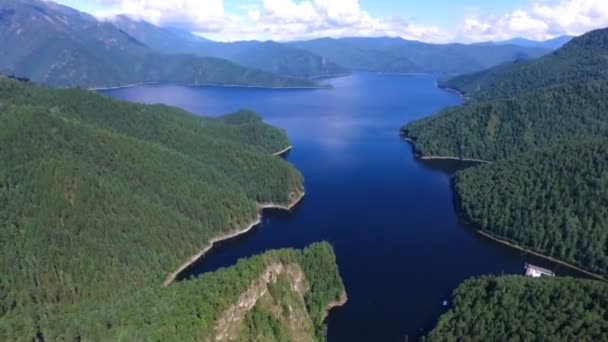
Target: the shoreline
pixel 488 235
pixel 122 86
pixel 283 151
pixel 322 77
pixel 455 91
pixel 335 304
pixel 294 202
pixel 230 235
pixel 538 254
pixel 421 157
pixel 399 73
pixel 452 158
pixel 131 85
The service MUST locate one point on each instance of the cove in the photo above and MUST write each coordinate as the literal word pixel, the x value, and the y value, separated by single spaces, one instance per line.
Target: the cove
pixel 391 218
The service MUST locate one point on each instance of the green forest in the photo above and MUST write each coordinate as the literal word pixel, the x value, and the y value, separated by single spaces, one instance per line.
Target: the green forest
pixel 553 201
pixel 582 59
pixel 523 106
pixel 515 308
pixel 543 125
pixel 497 129
pixel 102 199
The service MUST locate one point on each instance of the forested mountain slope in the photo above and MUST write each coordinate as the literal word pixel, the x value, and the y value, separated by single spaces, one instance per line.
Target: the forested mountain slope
pixel 584 58
pixel 278 58
pixel 102 199
pixel 396 55
pixel 56 45
pixel 544 124
pixel 499 128
pixel 516 108
pixel 553 201
pixel 513 308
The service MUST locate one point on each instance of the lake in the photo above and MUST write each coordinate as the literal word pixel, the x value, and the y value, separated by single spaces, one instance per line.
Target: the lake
pixel 400 246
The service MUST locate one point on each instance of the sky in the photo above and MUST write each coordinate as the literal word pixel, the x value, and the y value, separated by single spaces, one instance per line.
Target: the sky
pixel 437 21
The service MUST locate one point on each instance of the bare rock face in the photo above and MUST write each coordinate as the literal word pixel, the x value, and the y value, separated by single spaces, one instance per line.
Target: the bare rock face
pixel 290 311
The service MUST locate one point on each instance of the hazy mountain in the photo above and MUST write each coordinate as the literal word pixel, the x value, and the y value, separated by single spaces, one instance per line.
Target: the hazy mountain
pixel 403 56
pixel 57 45
pixel 269 56
pixel 552 44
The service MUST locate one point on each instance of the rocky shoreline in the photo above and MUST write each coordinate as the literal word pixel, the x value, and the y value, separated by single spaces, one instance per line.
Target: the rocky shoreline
pixel 231 235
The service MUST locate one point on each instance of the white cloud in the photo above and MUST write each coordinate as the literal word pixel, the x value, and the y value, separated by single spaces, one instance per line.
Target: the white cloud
pixel 207 15
pixel 288 19
pixel 541 20
pixel 300 19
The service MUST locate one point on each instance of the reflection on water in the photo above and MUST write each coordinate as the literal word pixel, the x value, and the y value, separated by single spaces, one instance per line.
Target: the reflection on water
pixel 400 245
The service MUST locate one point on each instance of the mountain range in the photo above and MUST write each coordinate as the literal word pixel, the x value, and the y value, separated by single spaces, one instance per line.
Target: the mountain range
pixel 397 55
pixel 553 44
pixel 269 56
pixel 60 46
pixel 327 56
pixel 57 45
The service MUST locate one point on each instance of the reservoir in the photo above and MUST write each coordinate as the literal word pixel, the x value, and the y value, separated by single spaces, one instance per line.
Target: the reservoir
pixel 400 246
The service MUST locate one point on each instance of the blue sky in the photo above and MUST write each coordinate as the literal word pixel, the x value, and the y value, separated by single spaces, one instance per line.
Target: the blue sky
pixel 429 20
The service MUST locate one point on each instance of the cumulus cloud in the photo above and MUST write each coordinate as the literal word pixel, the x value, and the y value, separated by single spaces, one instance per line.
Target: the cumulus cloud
pixel 286 19
pixel 300 19
pixel 541 20
pixel 207 15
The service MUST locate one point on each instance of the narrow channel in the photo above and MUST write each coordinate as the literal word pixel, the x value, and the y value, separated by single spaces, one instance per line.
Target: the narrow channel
pixel 400 245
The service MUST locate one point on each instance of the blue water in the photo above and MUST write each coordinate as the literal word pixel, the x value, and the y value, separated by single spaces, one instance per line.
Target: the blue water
pixel 391 218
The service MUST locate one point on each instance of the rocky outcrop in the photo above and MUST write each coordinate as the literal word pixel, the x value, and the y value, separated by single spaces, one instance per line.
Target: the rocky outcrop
pixel 229 324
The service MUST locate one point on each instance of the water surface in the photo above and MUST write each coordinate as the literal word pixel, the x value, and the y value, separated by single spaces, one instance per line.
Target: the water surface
pixel 400 246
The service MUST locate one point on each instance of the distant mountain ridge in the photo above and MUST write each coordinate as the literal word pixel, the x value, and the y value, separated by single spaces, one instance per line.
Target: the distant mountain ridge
pixel 57 45
pixel 552 44
pixel 282 59
pixel 397 55
pixel 329 56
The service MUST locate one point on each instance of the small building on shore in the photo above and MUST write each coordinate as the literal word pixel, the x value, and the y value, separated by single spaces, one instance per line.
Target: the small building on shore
pixel 533 271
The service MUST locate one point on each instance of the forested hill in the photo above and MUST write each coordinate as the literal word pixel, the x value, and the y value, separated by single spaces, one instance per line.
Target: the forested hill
pixel 496 129
pixel 559 98
pixel 552 201
pixel 57 45
pixel 582 59
pixel 102 199
pixel 513 308
pixel 544 124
